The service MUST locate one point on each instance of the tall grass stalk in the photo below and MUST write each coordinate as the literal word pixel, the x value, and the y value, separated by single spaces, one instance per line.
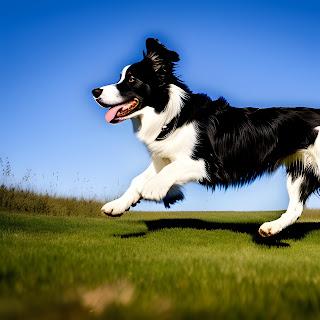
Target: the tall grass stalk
pixel 22 197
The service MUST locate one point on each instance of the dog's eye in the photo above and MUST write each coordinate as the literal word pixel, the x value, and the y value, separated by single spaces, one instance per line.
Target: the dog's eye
pixel 132 79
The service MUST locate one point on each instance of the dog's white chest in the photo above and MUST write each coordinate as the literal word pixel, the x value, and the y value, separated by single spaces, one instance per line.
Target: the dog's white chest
pixel 180 143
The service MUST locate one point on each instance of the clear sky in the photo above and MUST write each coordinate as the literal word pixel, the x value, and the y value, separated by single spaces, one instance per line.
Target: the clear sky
pixel 53 53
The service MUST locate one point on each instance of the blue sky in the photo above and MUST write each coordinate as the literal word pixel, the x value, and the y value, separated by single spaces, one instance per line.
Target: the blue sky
pixel 254 53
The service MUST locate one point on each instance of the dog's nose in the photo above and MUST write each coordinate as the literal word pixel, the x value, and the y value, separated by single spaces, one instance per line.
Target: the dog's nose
pixel 96 92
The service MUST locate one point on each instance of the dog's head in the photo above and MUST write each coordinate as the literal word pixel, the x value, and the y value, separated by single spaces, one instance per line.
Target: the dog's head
pixel 142 84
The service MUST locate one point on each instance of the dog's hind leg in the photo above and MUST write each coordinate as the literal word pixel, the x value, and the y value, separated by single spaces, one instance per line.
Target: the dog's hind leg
pixel 293 212
pixel 300 187
pixel 303 180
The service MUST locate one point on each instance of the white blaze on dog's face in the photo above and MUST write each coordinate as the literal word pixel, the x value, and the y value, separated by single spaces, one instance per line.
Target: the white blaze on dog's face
pixel 110 94
pixel 141 84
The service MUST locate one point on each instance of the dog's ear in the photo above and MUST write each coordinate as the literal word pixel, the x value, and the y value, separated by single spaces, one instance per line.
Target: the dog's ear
pixel 155 46
pixel 160 55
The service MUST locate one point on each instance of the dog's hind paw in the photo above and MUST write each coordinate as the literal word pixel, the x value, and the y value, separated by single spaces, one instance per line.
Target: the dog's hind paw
pixel 270 228
pixel 174 194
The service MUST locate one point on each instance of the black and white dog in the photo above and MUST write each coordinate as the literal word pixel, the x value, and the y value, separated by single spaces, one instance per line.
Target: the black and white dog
pixel 192 138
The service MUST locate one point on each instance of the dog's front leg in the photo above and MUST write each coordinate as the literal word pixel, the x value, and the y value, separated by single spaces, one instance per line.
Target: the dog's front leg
pixel 133 194
pixel 178 172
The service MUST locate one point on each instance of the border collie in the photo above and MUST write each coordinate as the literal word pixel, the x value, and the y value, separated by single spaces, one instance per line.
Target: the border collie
pixel 193 138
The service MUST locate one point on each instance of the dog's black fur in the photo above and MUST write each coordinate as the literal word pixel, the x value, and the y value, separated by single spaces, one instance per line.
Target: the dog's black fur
pixel 240 144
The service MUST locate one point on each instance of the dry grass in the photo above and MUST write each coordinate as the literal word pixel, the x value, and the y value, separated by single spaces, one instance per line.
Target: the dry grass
pixel 28 201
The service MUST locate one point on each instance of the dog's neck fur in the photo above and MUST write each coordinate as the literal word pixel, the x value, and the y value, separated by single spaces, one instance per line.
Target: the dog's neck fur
pixel 151 123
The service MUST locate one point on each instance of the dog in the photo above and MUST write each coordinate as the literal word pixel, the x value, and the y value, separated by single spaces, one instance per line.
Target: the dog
pixel 193 138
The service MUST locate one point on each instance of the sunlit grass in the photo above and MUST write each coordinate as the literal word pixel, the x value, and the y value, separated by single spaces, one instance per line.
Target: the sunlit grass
pixel 158 265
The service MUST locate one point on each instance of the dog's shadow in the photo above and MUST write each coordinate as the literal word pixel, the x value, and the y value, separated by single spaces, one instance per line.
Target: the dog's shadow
pixel 297 231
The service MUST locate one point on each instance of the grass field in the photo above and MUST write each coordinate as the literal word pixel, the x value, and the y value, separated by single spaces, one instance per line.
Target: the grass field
pixel 158 266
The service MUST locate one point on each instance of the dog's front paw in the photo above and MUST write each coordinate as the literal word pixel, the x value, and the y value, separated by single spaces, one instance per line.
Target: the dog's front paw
pixel 155 189
pixel 270 228
pixel 115 208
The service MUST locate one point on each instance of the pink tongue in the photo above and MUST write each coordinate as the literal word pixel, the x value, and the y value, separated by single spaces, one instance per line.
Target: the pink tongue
pixel 110 115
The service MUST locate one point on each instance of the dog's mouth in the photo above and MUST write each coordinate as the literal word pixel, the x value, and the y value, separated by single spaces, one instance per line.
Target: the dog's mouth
pixel 122 111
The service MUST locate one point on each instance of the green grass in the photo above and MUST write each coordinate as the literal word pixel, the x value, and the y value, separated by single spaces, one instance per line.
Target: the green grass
pixel 158 266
